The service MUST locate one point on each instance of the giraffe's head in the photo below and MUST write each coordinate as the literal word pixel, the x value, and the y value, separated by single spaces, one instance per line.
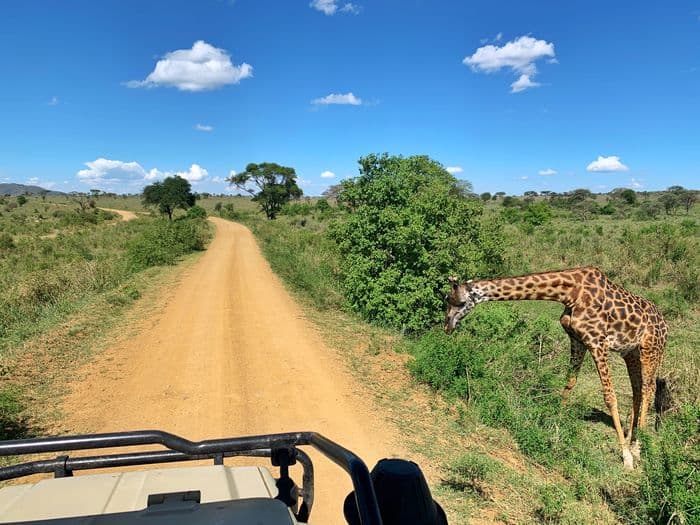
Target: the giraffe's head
pixel 460 302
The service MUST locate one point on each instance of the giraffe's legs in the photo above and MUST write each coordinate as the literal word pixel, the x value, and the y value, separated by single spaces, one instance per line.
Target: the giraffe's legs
pixel 634 370
pixel 578 352
pixel 600 356
pixel 648 376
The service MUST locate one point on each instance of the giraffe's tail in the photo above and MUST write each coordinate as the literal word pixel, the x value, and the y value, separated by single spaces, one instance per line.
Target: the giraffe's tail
pixel 662 399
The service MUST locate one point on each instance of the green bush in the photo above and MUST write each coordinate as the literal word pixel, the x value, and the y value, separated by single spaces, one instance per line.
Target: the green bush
pixel 537 214
pixel 196 212
pixel 227 211
pixel 163 242
pixel 408 227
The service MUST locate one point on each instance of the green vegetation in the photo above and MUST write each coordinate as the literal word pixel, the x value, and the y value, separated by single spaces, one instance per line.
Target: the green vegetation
pixel 168 195
pixel 276 185
pixel 409 225
pixel 503 371
pixel 55 259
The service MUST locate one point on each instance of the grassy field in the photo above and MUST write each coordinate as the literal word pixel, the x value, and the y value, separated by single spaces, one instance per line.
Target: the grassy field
pixel 482 406
pixel 58 261
pixel 496 384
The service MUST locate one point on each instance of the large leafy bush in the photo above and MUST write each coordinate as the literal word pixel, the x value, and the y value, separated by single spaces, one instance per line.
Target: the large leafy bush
pixel 409 225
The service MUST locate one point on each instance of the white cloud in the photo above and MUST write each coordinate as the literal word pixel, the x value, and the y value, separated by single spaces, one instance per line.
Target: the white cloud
pixel 204 127
pixel 330 7
pixel 54 101
pixel 35 181
pixel 106 173
pixel 201 68
pixel 194 174
pixel 219 180
pixel 636 184
pixel 327 175
pixel 232 173
pixel 548 171
pixel 454 169
pixel 518 55
pixel 350 8
pixel 499 36
pixel 522 84
pixel 334 98
pixel 524 177
pixel 607 164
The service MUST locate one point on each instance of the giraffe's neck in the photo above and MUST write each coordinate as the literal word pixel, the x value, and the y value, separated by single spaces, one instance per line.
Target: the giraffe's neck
pixel 561 286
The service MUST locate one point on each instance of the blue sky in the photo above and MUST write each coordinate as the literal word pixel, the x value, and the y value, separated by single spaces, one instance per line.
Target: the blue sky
pixel 512 96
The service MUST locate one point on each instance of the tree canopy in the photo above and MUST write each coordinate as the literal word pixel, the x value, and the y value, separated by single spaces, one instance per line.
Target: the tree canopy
pixel 270 184
pixel 168 195
pixel 408 227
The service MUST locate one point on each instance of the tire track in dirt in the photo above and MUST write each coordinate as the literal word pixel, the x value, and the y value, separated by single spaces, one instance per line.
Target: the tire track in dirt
pixel 232 354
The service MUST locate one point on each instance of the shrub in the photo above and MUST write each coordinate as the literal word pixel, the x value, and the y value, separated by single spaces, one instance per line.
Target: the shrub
pixel 196 212
pixel 472 472
pixel 163 242
pixel 227 211
pixel 537 214
pixel 407 228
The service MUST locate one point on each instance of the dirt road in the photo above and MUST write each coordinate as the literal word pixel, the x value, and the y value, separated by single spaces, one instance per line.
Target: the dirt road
pixel 232 354
pixel 125 215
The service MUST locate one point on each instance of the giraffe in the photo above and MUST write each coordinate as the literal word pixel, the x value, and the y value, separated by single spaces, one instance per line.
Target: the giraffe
pixel 599 316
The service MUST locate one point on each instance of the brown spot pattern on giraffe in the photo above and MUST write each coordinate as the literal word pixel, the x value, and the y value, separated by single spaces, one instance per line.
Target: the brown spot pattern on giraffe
pixel 603 317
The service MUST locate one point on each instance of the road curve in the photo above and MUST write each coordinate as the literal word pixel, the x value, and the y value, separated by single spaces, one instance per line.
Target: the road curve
pixel 232 354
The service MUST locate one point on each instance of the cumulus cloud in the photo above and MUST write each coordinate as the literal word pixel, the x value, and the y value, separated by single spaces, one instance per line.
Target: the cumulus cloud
pixel 204 127
pixel 194 174
pixel 522 84
pixel 327 175
pixel 333 98
pixel 107 173
pixel 331 7
pixel 548 171
pixel 607 164
pixel 454 169
pixel 519 55
pixel 204 67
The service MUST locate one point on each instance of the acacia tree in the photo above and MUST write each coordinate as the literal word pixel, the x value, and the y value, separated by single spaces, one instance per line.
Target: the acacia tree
pixel 272 185
pixel 168 195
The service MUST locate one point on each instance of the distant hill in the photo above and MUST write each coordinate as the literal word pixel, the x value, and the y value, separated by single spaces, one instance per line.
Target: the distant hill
pixel 21 189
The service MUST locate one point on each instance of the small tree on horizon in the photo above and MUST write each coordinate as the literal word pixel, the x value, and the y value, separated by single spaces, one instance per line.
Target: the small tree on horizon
pixel 273 185
pixel 168 195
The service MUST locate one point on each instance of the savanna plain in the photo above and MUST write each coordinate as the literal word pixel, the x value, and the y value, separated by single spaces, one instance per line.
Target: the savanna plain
pixel 368 263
